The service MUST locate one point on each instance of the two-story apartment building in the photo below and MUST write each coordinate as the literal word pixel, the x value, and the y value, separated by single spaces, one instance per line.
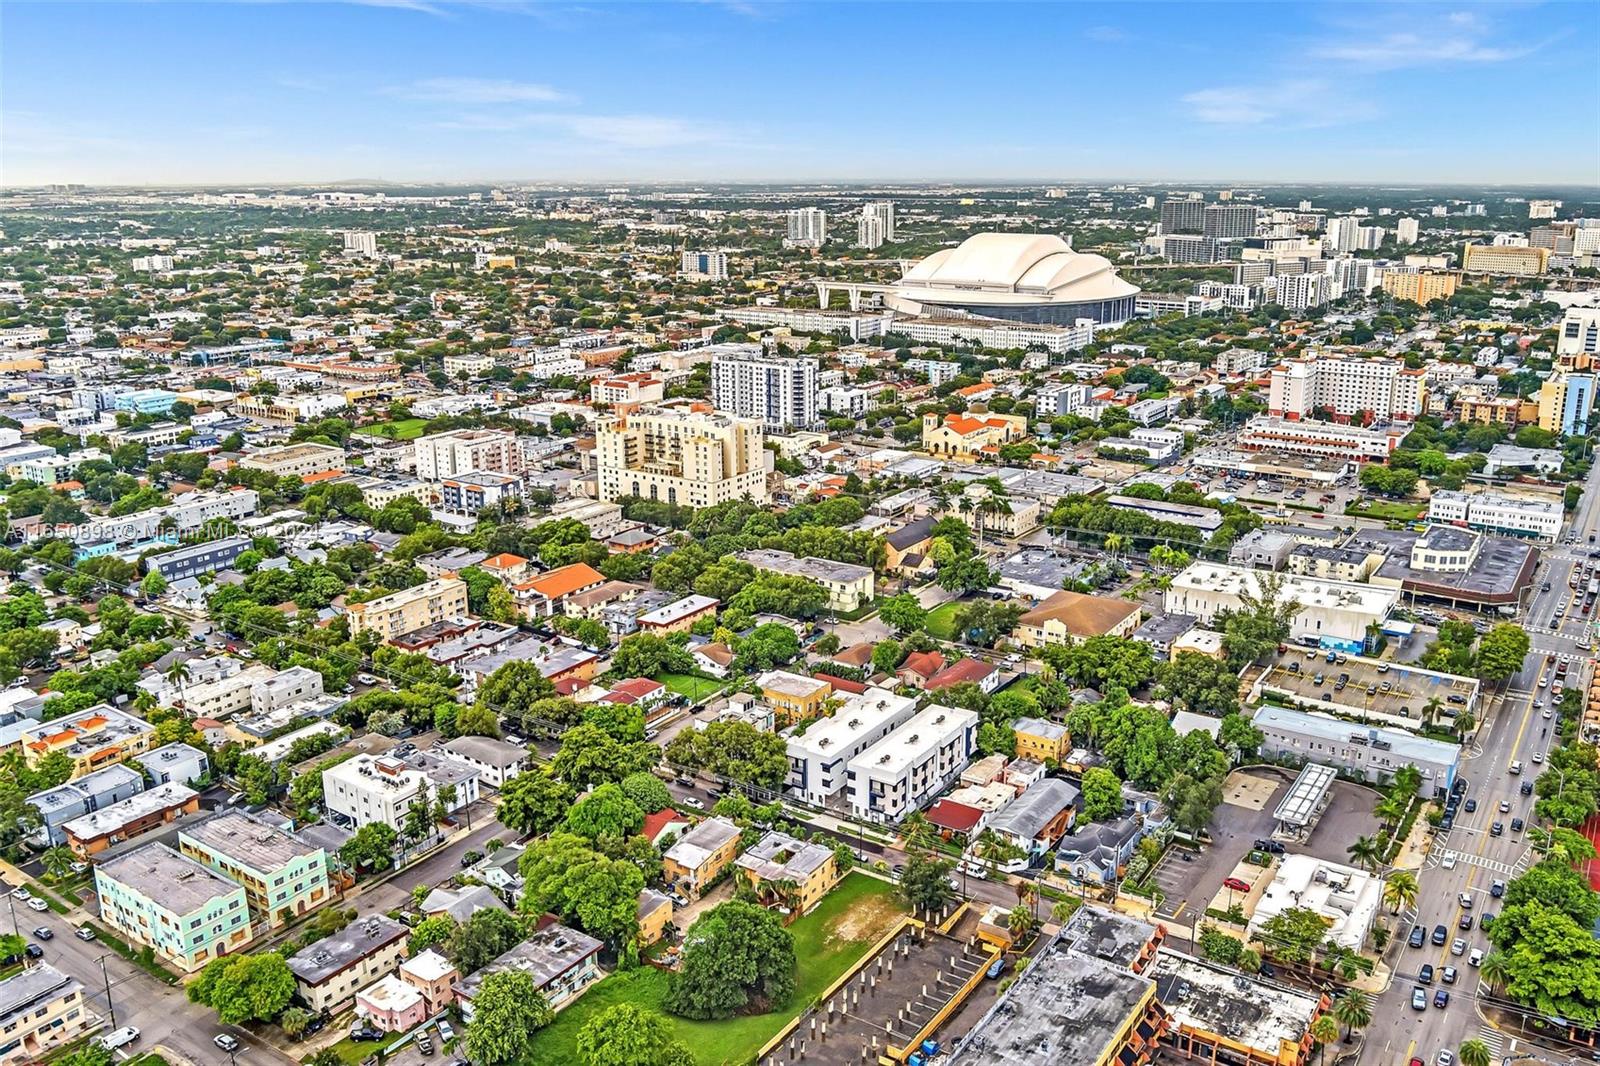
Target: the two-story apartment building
pixel 788 872
pixel 328 973
pixel 40 1008
pixel 156 897
pixel 92 738
pixel 283 875
pixel 700 855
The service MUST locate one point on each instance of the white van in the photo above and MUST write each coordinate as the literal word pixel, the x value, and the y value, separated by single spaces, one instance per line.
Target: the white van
pixel 118 1038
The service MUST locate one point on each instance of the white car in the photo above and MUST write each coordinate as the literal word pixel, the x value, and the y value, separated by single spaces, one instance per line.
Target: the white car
pixel 37 904
pixel 118 1038
pixel 1475 957
pixel 1449 860
pixel 693 803
pixel 21 895
pixel 1538 757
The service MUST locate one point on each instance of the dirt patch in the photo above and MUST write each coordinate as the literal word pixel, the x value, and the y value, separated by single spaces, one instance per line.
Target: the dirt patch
pixel 865 920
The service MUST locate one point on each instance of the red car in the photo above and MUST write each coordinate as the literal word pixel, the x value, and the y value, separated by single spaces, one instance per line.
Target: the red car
pixel 1236 884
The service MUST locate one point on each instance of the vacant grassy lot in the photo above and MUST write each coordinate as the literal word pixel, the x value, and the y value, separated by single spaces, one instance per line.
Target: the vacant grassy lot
pixel 942 620
pixel 827 943
pixel 405 429
pixel 1387 510
pixel 690 685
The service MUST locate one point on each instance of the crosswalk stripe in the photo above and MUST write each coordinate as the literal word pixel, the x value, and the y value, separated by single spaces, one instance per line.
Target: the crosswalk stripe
pixel 1491 1039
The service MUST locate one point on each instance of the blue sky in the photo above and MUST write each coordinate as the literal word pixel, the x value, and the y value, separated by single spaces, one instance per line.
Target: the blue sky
pixel 432 90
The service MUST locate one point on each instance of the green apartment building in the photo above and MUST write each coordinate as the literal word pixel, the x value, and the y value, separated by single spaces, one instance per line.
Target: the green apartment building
pixel 282 875
pixel 185 912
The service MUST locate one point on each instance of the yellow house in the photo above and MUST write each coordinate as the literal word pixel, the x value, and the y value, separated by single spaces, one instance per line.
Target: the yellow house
pixel 1041 740
pixel 655 914
pixel 966 436
pixel 1071 615
pixel 95 737
pixel 788 872
pixel 40 1008
pixel 793 697
pixel 700 855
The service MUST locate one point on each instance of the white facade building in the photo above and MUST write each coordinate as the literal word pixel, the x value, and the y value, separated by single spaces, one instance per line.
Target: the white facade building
pixel 1309 437
pixel 1333 614
pixel 368 789
pixel 1407 230
pixel 713 266
pixel 464 451
pixel 1347 387
pixel 1580 332
pixel 777 391
pixel 1494 513
pixel 807 228
pixel 818 758
pixel 682 456
pixel 913 764
pixel 362 244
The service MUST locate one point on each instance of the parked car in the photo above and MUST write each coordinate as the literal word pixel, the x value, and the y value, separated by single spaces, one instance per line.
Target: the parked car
pixel 226 1041
pixel 1237 884
pixel 83 932
pixel 360 1030
pixel 33 951
pixel 996 968
pixel 694 803
pixel 37 904
pixel 117 1038
pixel 1440 935
pixel 446 1033
pixel 1448 975
pixel 1497 889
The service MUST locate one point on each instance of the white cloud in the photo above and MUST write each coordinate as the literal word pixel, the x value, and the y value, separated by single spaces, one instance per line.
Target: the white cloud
pixel 1291 104
pixel 616 131
pixel 1457 37
pixel 480 91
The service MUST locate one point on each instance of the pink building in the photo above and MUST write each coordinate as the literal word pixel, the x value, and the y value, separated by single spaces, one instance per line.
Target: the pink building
pixel 392 1005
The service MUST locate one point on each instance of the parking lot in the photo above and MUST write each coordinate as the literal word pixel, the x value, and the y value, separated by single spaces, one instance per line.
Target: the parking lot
pixel 1244 817
pixel 1361 686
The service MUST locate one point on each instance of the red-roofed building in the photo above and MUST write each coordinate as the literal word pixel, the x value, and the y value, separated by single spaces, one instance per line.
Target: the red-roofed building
pixel 842 684
pixel 638 690
pixel 661 823
pixel 547 594
pixel 955 817
pixel 967 436
pixel 918 667
pixel 505 566
pixel 979 673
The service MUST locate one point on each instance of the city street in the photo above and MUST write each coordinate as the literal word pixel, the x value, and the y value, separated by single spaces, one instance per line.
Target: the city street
pixel 1514 732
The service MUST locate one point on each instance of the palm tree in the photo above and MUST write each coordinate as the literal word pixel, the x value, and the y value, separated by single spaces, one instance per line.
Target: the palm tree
pixel 1474 1053
pixel 1391 810
pixel 1115 543
pixel 1400 890
pixel 177 674
pixel 1354 1010
pixel 1407 780
pixel 58 862
pixel 1062 910
pixel 917 832
pixel 1430 710
pixel 1495 968
pixel 1324 1031
pixel 1020 922
pixel 1365 853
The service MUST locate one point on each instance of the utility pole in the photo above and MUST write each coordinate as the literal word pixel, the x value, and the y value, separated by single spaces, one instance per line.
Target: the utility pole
pixel 111 1008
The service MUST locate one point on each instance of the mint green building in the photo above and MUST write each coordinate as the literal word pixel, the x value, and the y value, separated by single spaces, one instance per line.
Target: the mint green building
pixel 185 912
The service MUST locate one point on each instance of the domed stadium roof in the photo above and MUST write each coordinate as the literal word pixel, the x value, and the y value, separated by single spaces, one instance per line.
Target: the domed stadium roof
pixel 1011 268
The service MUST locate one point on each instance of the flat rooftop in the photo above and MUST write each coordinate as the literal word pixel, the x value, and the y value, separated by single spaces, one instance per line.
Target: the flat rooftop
pixel 1066 1008
pixel 174 882
pixel 911 740
pixel 1258 1014
pixel 1408 688
pixel 1502 567
pixel 544 956
pixel 249 841
pixel 317 962
pixel 1311 592
pixel 116 816
pixel 859 716
pixel 1337 733
pixel 1108 935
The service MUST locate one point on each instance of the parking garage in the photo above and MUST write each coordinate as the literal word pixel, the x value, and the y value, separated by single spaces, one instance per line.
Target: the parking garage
pixel 1366 689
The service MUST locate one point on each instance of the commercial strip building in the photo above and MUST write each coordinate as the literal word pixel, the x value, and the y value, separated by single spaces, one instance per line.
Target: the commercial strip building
pixel 410 609
pixel 1372 753
pixel 1333 614
pixel 187 914
pixel 906 769
pixel 1309 437
pixel 1488 512
pixel 1217 1015
pixel 1347 897
pixel 681 455
pixel 295 460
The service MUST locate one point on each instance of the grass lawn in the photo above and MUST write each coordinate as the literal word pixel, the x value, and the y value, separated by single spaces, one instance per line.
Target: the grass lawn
pixel 1389 510
pixel 691 685
pixel 827 942
pixel 405 429
pixel 941 622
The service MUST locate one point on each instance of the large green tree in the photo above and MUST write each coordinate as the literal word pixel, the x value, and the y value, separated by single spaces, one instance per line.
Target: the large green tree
pixel 1201 683
pixel 534 801
pixel 245 988
pixel 507 1011
pixel 606 811
pixel 564 874
pixel 626 1034
pixel 738 959
pixel 484 937
pixel 735 750
pixel 1101 795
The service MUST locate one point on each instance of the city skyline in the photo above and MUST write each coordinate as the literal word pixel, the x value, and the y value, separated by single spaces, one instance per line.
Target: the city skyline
pixel 408 91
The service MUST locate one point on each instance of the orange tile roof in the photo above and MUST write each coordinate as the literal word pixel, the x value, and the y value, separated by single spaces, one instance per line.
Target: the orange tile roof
pixel 503 561
pixel 564 580
pixel 324 475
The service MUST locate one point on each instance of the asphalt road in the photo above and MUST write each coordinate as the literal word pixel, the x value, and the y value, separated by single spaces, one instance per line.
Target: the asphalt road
pixel 160 1012
pixel 1515 731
